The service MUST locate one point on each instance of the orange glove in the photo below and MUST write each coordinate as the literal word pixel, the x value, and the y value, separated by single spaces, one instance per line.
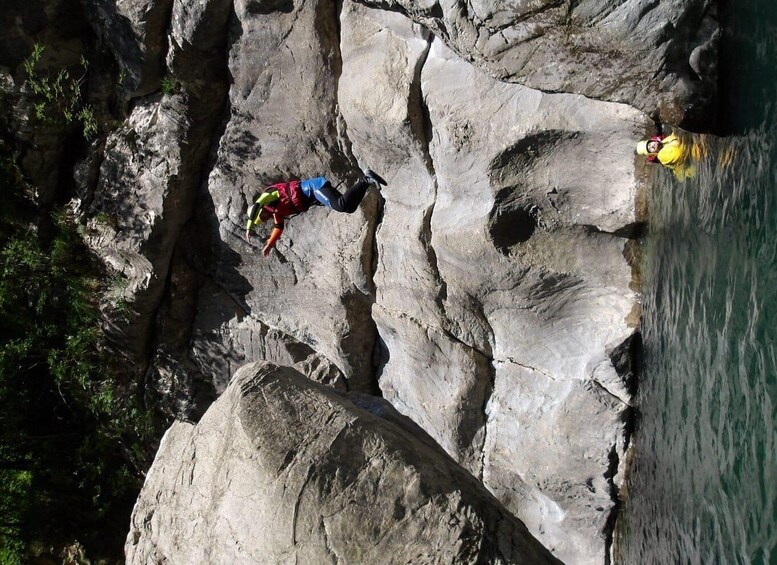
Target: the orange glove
pixel 274 236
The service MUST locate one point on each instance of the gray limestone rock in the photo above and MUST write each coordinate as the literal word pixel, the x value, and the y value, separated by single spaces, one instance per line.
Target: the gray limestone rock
pixel 144 195
pixel 501 286
pixel 493 262
pixel 641 52
pixel 135 30
pixel 484 293
pixel 281 469
pixel 141 200
pixel 315 288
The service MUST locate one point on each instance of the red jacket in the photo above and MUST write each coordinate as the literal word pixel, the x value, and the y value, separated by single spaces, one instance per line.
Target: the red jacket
pixel 291 199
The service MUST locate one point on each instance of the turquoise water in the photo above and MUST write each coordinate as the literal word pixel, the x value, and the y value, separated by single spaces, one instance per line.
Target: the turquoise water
pixel 704 484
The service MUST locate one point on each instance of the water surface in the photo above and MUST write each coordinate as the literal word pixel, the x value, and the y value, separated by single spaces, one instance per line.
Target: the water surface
pixel 704 482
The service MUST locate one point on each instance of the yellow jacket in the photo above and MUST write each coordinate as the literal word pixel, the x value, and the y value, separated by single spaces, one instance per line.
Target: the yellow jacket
pixel 679 157
pixel 673 152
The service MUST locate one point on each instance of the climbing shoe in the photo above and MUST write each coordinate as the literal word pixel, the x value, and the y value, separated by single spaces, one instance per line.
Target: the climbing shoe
pixel 374 178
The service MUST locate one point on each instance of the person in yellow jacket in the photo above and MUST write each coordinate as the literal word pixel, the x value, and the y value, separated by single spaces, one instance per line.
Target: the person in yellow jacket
pixel 670 151
pixel 675 153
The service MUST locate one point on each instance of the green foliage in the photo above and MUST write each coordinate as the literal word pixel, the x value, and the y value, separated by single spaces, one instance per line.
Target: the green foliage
pixel 106 219
pixel 12 190
pixel 73 436
pixel 16 494
pixel 117 285
pixel 59 97
pixel 170 86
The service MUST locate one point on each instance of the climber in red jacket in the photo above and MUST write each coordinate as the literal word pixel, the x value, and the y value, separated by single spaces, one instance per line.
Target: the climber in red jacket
pixel 286 199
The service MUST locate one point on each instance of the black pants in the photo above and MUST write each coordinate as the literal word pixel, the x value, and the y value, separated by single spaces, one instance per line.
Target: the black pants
pixel 330 197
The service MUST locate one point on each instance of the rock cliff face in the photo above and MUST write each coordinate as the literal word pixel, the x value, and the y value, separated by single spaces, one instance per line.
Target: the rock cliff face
pixel 281 469
pixel 485 293
pixel 652 55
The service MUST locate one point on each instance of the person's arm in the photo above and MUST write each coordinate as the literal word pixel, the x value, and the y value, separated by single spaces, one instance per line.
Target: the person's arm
pixel 277 230
pixel 264 198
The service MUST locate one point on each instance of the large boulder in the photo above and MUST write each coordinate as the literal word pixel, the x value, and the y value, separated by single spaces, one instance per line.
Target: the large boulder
pixel 281 469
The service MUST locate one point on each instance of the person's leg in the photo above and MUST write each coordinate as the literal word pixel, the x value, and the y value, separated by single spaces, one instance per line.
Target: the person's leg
pixel 354 195
pixel 348 202
pixel 328 196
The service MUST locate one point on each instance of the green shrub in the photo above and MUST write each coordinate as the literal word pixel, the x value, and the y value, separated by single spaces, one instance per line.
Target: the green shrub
pixel 74 434
pixel 15 494
pixel 58 99
pixel 170 86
